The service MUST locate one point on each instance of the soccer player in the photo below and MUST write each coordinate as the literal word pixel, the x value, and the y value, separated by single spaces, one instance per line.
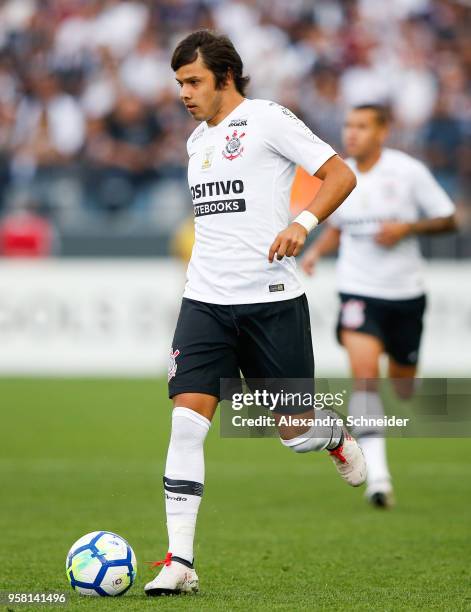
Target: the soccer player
pixel 243 307
pixel 379 272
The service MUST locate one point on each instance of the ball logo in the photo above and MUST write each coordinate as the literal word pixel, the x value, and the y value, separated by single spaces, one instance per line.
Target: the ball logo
pixel 353 314
pixel 234 147
pixel 172 364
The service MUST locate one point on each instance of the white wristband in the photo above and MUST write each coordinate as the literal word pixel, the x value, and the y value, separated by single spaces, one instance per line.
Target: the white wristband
pixel 307 220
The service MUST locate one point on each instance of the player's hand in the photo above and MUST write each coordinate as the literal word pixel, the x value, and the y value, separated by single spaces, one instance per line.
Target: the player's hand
pixel 309 261
pixel 392 232
pixel 289 242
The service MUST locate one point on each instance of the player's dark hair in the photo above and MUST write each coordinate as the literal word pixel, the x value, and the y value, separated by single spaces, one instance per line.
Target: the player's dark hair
pixel 382 112
pixel 218 53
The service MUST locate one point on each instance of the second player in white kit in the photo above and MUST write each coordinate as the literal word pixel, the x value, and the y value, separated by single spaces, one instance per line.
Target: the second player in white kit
pixel 380 272
pixel 397 189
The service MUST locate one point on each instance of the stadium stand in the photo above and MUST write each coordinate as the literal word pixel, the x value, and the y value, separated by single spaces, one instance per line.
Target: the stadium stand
pixel 91 128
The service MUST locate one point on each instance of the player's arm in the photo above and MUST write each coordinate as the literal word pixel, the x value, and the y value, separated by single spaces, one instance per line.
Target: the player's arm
pixel 338 181
pixel 431 200
pixel 328 242
pixel 392 232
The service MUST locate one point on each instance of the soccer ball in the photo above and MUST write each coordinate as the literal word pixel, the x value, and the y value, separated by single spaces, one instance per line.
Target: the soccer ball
pixel 101 563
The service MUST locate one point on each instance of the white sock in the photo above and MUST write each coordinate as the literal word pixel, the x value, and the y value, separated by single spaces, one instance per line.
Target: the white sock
pixel 374 450
pixel 318 437
pixel 184 479
pixel 369 404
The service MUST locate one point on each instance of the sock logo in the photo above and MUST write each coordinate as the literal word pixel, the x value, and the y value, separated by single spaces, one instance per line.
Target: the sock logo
pixel 185 487
pixel 176 498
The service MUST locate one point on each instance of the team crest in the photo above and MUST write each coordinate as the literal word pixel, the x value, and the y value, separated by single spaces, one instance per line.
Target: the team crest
pixel 172 363
pixel 234 147
pixel 353 314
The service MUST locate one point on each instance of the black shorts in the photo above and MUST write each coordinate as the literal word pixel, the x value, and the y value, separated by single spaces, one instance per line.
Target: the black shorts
pixel 397 323
pixel 263 341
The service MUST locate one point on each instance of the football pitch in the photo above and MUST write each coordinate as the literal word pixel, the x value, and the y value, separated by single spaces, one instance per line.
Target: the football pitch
pixel 276 530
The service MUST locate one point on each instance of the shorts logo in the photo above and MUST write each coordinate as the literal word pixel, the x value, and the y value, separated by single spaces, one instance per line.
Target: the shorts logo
pixel 172 364
pixel 234 147
pixel 353 314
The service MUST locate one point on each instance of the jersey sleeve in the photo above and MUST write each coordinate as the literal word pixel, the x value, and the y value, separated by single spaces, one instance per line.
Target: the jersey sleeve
pixel 431 198
pixel 287 135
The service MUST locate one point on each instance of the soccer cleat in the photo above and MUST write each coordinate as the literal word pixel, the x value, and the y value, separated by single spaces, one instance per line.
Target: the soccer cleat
pixel 382 500
pixel 176 577
pixel 380 494
pixel 349 460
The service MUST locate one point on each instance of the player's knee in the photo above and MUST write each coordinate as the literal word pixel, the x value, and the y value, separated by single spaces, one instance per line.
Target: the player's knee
pixel 404 394
pixel 404 388
pixel 366 378
pixel 188 427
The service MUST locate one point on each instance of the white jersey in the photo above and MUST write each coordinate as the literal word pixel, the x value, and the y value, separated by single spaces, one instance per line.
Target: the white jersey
pixel 240 175
pixel 397 188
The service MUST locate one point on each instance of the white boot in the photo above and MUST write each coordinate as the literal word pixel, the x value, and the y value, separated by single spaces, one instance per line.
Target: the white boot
pixel 176 577
pixel 349 460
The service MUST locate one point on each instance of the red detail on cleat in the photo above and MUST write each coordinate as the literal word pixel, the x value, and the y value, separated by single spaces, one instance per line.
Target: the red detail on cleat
pixel 337 452
pixel 166 561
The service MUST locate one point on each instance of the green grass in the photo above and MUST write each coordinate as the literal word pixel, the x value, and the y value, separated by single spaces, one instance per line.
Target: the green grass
pixel 277 531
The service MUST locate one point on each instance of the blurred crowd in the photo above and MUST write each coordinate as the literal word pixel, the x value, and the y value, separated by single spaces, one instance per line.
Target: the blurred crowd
pixel 91 125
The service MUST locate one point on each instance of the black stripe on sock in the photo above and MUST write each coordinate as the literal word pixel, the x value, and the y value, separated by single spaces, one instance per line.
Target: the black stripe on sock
pixel 185 487
pixel 342 437
pixel 183 561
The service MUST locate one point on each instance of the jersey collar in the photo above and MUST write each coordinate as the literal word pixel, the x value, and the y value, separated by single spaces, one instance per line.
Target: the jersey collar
pixel 223 122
